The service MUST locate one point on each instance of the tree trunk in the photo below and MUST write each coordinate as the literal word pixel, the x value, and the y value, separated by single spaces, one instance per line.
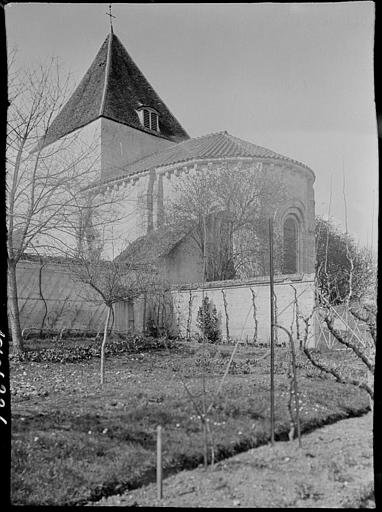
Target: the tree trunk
pixel 13 310
pixel 104 343
pixel 42 298
pixel 205 443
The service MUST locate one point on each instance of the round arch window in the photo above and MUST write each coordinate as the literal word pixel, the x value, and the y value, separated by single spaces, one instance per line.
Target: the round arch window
pixel 290 245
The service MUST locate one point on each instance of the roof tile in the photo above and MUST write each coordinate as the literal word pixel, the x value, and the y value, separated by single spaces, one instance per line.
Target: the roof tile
pixel 212 146
pixel 150 247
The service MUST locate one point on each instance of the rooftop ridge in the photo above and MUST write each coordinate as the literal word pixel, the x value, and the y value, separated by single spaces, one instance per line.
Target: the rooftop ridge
pixel 107 72
pixel 148 83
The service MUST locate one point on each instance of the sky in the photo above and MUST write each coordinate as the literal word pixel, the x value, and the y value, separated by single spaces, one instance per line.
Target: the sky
pixel 296 78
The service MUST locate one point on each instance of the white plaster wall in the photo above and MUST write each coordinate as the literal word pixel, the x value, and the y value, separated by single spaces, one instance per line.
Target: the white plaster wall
pixel 124 215
pixel 240 307
pixel 69 303
pixel 86 140
pixel 76 157
pixel 122 145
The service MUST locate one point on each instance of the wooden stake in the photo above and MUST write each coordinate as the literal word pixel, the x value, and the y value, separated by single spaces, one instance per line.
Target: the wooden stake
pixel 295 386
pixel 159 463
pixel 272 321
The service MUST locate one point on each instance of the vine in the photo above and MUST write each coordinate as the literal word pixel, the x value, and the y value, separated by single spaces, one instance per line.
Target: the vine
pixel 254 315
pixel 226 316
pixel 189 316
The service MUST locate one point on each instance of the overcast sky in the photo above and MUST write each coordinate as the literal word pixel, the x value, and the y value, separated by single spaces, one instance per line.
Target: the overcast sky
pixel 296 78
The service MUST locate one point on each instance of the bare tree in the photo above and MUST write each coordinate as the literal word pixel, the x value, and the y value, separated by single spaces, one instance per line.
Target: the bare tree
pixel 204 401
pixel 232 201
pixel 363 349
pixel 114 281
pixel 345 271
pixel 41 181
pixel 346 278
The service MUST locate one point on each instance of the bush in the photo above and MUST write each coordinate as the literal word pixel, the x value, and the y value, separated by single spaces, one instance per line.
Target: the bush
pixel 208 322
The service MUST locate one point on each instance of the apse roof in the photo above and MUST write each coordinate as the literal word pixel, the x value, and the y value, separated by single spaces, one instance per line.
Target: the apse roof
pixel 212 146
pixel 113 87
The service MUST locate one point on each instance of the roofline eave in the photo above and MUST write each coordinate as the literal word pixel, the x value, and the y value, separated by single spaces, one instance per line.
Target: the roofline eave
pixel 144 130
pixel 99 116
pixel 163 169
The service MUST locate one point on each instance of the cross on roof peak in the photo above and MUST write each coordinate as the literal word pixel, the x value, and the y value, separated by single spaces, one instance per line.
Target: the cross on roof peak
pixel 111 18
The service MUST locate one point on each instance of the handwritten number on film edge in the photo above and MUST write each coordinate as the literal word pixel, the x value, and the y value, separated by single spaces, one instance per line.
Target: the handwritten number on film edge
pixel 2 387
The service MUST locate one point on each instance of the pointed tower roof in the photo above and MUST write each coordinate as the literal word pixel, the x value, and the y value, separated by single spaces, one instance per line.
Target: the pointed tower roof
pixel 113 87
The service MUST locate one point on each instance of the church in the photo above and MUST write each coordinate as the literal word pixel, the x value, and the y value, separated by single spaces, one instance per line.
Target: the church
pixel 142 152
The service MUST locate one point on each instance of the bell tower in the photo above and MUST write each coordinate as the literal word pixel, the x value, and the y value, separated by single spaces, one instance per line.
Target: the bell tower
pixel 130 119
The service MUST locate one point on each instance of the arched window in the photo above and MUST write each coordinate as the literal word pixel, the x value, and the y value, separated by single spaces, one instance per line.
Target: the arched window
pixel 290 245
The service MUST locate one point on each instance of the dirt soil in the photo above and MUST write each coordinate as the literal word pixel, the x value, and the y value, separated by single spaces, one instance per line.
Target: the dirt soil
pixel 333 469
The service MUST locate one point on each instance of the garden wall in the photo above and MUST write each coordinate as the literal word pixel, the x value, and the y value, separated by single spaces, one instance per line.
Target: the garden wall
pixel 247 304
pixel 50 291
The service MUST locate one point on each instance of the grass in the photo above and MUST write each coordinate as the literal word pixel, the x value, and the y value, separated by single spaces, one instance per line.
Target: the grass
pixel 73 441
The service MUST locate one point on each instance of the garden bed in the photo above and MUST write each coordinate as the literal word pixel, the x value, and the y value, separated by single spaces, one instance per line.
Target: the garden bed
pixel 332 469
pixel 73 441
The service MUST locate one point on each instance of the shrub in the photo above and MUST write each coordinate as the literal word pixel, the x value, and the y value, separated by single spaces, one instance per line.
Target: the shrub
pixel 208 322
pixel 61 353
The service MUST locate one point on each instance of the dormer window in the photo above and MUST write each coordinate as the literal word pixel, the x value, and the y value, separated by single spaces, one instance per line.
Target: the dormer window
pixel 154 121
pixel 149 118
